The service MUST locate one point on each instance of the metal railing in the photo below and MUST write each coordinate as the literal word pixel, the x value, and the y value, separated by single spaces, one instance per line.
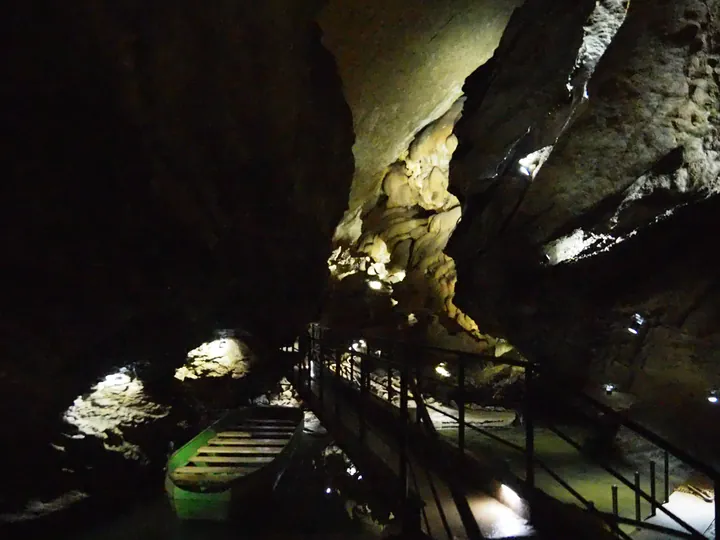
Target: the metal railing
pixel 353 361
pixel 321 366
pixel 310 370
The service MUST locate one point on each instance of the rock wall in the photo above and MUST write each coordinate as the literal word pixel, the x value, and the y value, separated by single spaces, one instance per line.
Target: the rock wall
pixel 164 162
pixel 403 63
pixel 617 221
pixel 397 246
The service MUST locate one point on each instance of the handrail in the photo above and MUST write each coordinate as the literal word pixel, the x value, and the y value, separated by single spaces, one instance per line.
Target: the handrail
pixel 417 490
pixel 480 430
pixel 630 424
pixel 422 408
pixel 650 526
pixel 588 505
pixel 620 477
pixel 420 346
pixel 463 508
pixel 653 437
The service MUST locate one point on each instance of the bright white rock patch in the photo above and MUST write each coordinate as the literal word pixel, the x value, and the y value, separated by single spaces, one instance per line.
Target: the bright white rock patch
pixel 225 356
pixel 115 404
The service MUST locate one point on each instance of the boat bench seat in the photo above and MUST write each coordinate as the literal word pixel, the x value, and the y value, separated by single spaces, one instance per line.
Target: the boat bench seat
pixel 231 459
pixel 215 470
pixel 247 442
pixel 241 450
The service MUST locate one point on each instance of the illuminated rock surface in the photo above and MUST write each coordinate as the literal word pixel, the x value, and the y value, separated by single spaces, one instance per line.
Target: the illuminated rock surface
pixel 616 221
pixel 116 406
pixel 171 167
pixel 403 64
pixel 224 357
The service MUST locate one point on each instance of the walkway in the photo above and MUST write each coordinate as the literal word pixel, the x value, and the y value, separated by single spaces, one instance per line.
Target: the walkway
pixel 441 518
pixel 501 439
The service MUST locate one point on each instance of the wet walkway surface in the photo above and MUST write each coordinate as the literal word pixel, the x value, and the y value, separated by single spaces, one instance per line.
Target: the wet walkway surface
pixel 629 454
pixel 440 516
pixel 589 479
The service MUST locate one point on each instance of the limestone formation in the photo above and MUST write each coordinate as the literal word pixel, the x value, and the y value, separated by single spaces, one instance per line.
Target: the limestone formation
pixel 403 64
pixel 116 407
pixel 401 240
pixel 224 357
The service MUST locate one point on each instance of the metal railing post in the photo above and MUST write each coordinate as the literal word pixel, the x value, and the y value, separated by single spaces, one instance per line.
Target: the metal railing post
pixel 306 364
pixel 403 465
pixel 418 386
pixel 638 517
pixel 363 398
pixel 653 492
pixel 716 487
pixel 529 429
pixel 320 374
pixel 615 505
pixel 461 405
pixel 389 383
pixel 338 376
pixel 666 467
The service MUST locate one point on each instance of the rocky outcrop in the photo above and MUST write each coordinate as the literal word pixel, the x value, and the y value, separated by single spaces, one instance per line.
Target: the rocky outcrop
pixel 398 244
pixel 560 259
pixel 116 407
pixel 402 65
pixel 223 357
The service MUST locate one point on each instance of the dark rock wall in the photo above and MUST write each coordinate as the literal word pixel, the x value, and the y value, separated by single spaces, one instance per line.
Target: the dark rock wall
pixel 161 161
pixel 632 180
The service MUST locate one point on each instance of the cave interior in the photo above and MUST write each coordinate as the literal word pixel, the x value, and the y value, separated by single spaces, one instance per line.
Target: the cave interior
pixel 187 186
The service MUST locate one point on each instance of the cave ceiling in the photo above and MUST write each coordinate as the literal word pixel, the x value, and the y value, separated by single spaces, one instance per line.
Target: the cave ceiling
pixel 403 63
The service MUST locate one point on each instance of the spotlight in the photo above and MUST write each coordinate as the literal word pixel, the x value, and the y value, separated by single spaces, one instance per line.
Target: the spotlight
pixel 713 396
pixel 632 331
pixel 328 491
pixel 375 285
pixel 509 496
pixel 609 388
pixel 440 369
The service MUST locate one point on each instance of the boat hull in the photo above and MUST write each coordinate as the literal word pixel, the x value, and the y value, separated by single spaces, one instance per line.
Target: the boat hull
pixel 226 502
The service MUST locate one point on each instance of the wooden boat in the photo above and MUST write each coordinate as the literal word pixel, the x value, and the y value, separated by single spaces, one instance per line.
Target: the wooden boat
pixel 235 460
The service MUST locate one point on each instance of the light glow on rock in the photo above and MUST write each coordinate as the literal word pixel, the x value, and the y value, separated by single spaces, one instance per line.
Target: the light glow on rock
pixel 598 32
pixel 116 403
pixel 580 245
pixel 372 262
pixel 216 358
pixel 509 495
pixel 530 165
pixel 442 370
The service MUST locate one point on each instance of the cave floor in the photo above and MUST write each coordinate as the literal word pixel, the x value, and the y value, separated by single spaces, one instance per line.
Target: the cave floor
pixel 591 481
